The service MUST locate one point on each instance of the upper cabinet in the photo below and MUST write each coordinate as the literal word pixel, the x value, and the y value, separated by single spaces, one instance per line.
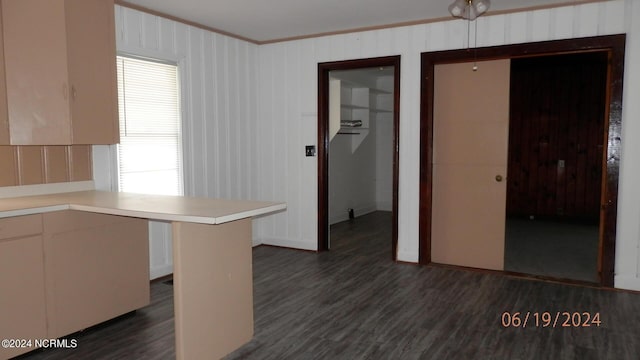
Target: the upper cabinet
pixel 60 72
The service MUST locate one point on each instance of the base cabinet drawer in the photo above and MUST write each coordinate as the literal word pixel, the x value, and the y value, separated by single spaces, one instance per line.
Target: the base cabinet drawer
pixel 20 226
pixel 22 296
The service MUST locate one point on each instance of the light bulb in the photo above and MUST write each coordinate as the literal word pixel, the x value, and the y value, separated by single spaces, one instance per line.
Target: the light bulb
pixel 456 11
pixel 457 8
pixel 481 6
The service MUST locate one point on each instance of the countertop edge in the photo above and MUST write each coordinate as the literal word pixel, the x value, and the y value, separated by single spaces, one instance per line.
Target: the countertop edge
pixel 251 213
pixel 270 207
pixel 178 217
pixel 33 210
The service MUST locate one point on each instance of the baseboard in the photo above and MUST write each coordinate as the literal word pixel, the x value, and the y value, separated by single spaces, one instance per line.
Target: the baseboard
pixel 256 242
pixel 166 278
pixel 287 248
pixel 365 210
pixel 408 256
pixel 384 206
pixel 160 271
pixel 627 282
pixel 344 216
pixel 338 218
pixel 311 245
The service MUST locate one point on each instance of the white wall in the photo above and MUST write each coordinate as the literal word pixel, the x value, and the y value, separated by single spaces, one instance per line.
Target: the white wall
pixel 252 109
pixel 218 76
pixel 384 145
pixel 384 161
pixel 352 175
pixel 354 160
pixel 219 99
pixel 287 103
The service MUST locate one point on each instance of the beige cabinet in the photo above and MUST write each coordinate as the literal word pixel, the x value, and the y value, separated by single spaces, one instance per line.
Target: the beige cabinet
pixel 61 85
pixel 64 271
pixel 96 266
pixel 22 298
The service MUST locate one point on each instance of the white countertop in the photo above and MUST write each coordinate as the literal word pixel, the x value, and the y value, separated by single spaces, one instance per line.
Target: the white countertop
pixel 153 207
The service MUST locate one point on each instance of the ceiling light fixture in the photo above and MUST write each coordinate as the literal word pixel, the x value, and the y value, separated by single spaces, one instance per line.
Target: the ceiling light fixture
pixel 470 10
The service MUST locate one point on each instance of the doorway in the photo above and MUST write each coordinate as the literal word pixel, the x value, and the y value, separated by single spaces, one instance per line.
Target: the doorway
pixel 369 90
pixel 613 49
pixel 556 144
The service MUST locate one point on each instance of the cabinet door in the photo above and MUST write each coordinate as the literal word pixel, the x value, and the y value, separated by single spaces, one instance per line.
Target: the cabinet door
pixel 92 71
pixel 36 72
pixel 60 72
pixel 97 268
pixel 22 301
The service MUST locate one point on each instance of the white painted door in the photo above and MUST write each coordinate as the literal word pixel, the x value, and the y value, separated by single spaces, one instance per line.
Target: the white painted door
pixel 471 129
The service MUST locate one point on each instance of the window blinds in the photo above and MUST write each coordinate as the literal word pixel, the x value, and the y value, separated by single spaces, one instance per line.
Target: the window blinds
pixel 149 153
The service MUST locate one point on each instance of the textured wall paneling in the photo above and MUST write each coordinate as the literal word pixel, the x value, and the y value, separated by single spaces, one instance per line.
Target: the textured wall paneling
pixel 282 83
pixel 218 78
pixel 298 94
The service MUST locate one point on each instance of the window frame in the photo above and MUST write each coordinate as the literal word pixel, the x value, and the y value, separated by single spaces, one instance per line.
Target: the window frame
pixel 115 149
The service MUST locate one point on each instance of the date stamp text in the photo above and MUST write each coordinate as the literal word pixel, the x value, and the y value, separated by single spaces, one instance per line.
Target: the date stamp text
pixel 548 319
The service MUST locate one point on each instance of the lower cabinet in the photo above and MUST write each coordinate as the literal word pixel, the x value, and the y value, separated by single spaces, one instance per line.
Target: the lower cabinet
pixel 62 272
pixel 96 268
pixel 22 292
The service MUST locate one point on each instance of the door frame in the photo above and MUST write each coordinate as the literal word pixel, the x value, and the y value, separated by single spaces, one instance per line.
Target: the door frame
pixel 323 141
pixel 614 46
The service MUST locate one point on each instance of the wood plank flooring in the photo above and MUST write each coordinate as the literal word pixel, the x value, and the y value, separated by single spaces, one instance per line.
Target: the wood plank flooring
pixel 355 303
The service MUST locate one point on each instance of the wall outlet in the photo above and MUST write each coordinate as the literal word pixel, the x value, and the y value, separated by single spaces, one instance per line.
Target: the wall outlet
pixel 310 150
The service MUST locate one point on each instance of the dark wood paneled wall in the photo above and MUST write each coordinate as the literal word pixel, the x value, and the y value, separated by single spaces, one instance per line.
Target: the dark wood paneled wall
pixel 557 118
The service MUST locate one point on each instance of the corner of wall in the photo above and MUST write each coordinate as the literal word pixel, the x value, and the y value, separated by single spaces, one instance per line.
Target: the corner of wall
pixel 408 256
pixel 292 244
pixel 627 282
pixel 104 167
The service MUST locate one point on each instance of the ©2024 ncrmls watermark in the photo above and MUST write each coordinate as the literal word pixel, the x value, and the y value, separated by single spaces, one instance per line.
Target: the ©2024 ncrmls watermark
pixel 40 343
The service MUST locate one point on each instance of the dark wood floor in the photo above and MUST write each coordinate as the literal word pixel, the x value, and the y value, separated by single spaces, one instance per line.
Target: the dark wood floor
pixel 552 248
pixel 355 303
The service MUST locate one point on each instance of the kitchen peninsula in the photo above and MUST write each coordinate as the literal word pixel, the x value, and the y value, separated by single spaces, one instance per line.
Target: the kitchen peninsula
pixel 69 236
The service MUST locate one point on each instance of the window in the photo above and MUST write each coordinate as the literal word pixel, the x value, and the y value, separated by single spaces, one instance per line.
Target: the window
pixel 149 154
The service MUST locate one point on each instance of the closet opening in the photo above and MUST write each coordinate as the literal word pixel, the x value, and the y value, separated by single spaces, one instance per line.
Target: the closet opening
pixel 551 163
pixel 358 120
pixel 556 151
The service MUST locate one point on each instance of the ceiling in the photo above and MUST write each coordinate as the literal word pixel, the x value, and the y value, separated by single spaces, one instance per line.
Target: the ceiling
pixel 272 20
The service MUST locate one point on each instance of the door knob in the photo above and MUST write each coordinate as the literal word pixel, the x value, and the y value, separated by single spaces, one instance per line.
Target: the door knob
pixel 498 178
